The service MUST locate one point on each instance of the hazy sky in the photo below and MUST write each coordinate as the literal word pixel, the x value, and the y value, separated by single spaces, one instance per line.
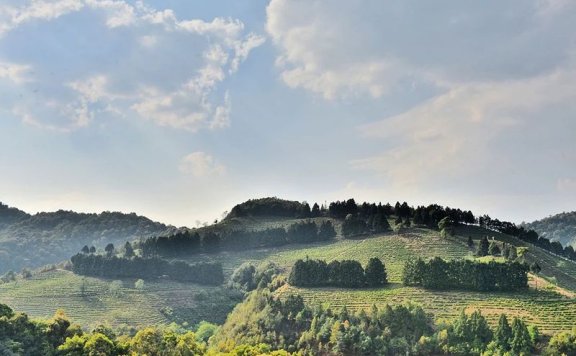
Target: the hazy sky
pixel 179 109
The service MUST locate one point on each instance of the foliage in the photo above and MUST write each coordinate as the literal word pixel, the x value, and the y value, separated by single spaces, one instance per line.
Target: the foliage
pixel 210 273
pixel 347 273
pixel 289 324
pixel 466 275
pixel 270 207
pixel 44 238
pixel 560 227
pixel 563 343
pixel 187 242
pixel 483 247
pixel 247 277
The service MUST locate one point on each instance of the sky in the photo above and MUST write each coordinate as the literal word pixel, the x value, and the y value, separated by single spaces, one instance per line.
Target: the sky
pixel 178 110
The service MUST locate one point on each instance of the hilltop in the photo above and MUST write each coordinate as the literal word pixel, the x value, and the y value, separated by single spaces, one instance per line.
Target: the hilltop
pixel 30 241
pixel 560 227
pixel 549 303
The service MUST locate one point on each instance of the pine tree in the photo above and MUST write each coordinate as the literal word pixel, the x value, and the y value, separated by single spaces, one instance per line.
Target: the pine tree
pixel 375 273
pixel 315 211
pixel 483 247
pixel 128 250
pixel 521 342
pixel 503 333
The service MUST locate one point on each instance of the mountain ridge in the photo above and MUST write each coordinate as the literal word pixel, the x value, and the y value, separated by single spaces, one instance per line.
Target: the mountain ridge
pixel 559 227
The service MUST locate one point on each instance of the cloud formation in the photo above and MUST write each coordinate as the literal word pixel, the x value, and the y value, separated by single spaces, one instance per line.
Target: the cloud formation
pixel 73 60
pixel 343 48
pixel 501 121
pixel 481 131
pixel 201 164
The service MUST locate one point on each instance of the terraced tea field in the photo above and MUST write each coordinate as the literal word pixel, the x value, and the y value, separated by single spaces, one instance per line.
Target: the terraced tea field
pixel 393 249
pixel 550 311
pixel 165 301
pixel 554 268
pixel 159 302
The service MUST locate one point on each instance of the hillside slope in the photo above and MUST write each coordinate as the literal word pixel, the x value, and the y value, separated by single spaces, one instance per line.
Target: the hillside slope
pixel 164 301
pixel 34 240
pixel 560 227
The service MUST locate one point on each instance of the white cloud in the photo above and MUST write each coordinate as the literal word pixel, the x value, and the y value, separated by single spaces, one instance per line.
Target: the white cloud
pixel 122 58
pixel 479 131
pixel 347 48
pixel 201 164
pixel 17 73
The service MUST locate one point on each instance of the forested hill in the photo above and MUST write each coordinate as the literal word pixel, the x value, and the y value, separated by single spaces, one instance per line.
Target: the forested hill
pixel 29 241
pixel 270 207
pixel 560 227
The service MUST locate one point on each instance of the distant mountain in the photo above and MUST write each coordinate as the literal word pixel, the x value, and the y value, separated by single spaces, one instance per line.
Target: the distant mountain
pixel 29 241
pixel 560 227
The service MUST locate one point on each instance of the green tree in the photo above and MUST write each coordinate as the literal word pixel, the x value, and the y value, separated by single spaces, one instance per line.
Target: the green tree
pixel 315 211
pixel 99 345
pixel 205 330
pixel 563 343
pixel 73 346
pixel 503 334
pixel 375 273
pixel 521 342
pixel 446 226
pixel 326 231
pixel 483 247
pixel 109 249
pixel 128 250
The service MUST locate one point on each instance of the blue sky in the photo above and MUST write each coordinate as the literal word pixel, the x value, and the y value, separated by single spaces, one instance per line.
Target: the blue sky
pixel 178 110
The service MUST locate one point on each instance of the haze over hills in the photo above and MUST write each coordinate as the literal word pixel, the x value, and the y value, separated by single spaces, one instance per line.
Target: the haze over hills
pixel 560 227
pixel 258 245
pixel 30 241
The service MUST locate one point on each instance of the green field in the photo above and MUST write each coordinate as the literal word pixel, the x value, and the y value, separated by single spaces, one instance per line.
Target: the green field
pixel 165 301
pixel 159 302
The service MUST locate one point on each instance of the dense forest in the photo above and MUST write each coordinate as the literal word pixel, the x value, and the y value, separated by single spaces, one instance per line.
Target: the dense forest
pixel 188 242
pixel 147 268
pixel 346 274
pixel 560 227
pixel 466 275
pixel 29 241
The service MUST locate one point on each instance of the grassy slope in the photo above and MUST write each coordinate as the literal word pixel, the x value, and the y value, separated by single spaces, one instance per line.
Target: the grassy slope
pixel 159 302
pixel 550 311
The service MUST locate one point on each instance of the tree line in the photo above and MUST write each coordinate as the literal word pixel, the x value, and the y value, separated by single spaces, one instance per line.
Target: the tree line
pixel 209 273
pixel 346 274
pixel 433 214
pixel 190 242
pixel 439 274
